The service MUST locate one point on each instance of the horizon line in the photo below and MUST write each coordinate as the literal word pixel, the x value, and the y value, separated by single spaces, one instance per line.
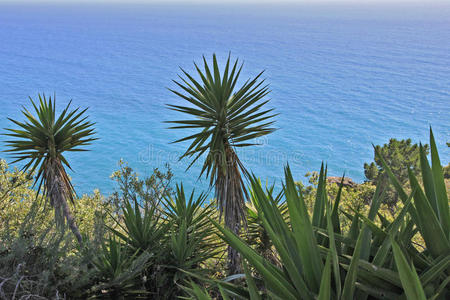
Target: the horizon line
pixel 209 2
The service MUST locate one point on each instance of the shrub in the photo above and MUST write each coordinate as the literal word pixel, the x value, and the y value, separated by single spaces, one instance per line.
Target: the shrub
pixel 401 156
pixel 37 260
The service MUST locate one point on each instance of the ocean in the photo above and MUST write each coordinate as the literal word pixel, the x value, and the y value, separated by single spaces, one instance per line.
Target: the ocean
pixel 343 77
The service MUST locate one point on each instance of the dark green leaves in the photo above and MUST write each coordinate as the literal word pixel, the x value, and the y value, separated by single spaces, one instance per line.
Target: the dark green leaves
pixel 381 258
pixel 223 114
pixel 408 275
pixel 430 212
pixel 45 136
pixel 223 117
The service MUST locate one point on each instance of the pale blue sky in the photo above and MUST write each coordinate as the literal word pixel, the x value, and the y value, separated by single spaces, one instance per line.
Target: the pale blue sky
pixel 231 1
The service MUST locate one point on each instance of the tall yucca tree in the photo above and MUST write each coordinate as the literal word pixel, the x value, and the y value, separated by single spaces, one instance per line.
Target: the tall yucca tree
pixel 41 142
pixel 226 117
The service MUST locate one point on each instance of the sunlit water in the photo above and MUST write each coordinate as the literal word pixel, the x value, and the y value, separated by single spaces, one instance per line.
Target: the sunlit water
pixel 342 78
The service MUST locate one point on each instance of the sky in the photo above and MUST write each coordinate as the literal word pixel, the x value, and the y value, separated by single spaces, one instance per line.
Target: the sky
pixel 229 1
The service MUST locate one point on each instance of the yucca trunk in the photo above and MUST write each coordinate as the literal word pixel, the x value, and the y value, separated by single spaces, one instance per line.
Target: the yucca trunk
pixel 230 192
pixel 59 193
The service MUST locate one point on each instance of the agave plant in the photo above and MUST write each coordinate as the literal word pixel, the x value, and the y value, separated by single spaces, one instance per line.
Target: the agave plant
pixel 138 230
pixel 41 141
pixel 375 259
pixel 226 117
pixel 141 229
pixel 118 270
pixel 192 238
pixel 192 235
pixel 256 235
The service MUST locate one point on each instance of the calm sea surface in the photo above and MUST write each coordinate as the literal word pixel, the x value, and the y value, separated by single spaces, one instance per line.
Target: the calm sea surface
pixel 341 78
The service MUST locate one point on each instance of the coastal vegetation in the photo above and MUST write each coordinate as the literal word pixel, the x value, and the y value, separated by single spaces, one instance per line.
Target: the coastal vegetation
pixel 41 141
pixel 332 238
pixel 226 118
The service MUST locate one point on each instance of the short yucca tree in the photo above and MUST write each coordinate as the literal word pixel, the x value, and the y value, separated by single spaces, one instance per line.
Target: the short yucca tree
pixel 41 141
pixel 226 117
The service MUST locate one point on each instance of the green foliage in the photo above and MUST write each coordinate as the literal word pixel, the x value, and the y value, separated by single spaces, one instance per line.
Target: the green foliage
pixel 16 198
pixel 36 266
pixel 41 141
pixel 45 262
pixel 140 230
pixel 408 275
pixel 225 117
pixel 296 243
pixel 447 171
pixel 37 261
pixel 356 198
pixel 149 241
pixel 191 233
pixel 173 234
pixel 18 201
pixel 46 137
pixel 370 261
pixel 120 271
pixel 400 156
pixel 256 235
pixel 149 191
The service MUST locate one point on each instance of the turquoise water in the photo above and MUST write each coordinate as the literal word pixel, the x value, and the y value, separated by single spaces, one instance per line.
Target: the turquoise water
pixel 342 77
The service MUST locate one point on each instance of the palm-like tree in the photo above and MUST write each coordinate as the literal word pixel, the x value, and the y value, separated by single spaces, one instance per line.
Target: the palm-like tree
pixel 41 142
pixel 226 117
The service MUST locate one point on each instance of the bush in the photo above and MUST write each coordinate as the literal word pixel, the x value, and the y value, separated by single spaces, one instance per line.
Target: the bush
pixel 37 260
pixel 401 155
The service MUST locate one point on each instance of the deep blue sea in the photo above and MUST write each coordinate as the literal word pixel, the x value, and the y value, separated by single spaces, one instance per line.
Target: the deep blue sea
pixel 342 77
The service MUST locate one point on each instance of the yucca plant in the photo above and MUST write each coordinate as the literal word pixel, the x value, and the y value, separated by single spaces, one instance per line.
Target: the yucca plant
pixel 192 238
pixel 192 235
pixel 226 117
pixel 119 271
pixel 141 229
pixel 41 141
pixel 175 232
